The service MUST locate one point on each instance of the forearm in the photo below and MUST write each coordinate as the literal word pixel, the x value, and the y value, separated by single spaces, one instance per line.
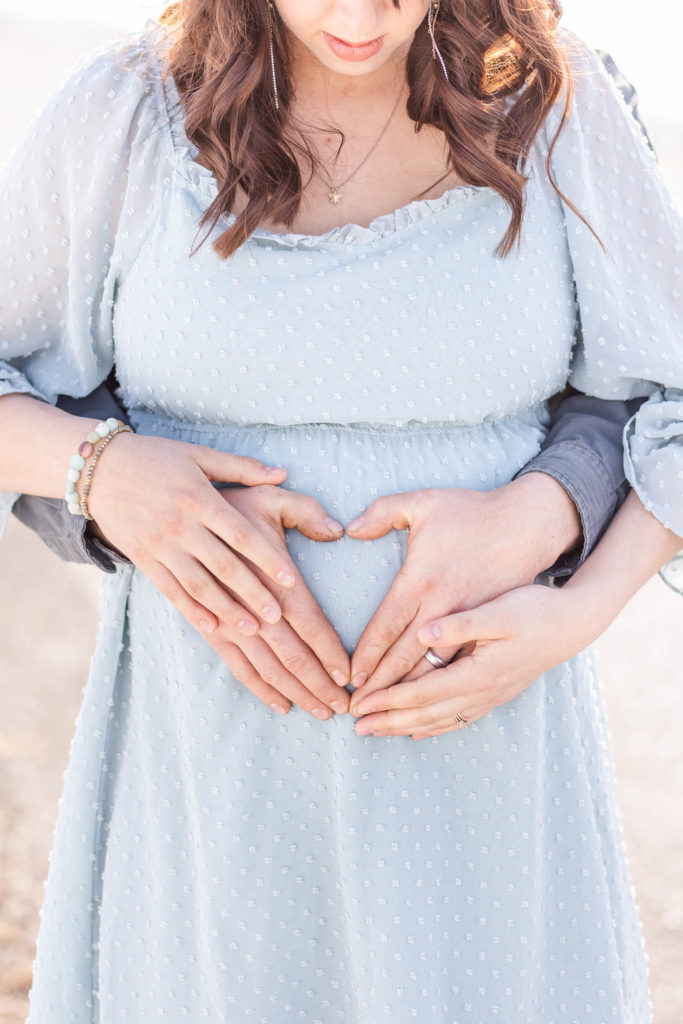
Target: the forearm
pixel 67 536
pixel 634 548
pixel 37 442
pixel 552 516
pixel 584 453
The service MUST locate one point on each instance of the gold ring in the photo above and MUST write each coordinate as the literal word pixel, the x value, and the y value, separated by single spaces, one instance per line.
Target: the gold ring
pixel 460 721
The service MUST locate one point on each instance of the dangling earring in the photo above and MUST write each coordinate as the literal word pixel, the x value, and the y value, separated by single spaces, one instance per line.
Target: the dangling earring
pixel 272 55
pixel 431 22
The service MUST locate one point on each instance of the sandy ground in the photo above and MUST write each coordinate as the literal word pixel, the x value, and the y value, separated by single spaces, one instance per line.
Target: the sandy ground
pixel 48 613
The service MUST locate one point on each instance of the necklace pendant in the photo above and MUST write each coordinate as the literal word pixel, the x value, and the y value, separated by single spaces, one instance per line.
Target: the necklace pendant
pixel 335 196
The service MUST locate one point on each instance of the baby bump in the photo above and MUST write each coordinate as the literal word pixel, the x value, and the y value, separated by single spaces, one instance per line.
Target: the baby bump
pixel 346 468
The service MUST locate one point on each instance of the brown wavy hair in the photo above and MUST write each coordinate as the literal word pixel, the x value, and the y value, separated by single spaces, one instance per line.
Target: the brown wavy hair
pixel 220 62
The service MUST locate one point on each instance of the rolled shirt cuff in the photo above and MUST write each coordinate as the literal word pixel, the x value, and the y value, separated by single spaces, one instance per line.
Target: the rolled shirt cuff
pixel 582 473
pixel 65 534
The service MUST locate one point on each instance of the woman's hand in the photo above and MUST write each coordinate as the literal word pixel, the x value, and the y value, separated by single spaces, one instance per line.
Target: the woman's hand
pixel 511 641
pixel 152 500
pixel 211 552
pixel 293 659
pixel 464 548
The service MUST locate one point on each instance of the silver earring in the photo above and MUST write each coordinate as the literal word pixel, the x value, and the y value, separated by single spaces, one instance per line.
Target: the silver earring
pixel 272 55
pixel 431 22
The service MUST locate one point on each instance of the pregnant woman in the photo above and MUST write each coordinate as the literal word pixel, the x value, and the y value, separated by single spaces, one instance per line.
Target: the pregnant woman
pixel 386 314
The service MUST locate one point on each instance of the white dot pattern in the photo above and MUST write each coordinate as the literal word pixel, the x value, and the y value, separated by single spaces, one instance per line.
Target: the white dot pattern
pixel 213 860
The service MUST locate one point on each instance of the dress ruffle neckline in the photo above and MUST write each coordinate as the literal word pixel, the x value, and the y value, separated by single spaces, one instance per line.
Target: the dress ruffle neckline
pixel 202 181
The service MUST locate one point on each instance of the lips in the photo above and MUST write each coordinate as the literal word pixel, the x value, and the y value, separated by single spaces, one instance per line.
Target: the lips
pixel 353 51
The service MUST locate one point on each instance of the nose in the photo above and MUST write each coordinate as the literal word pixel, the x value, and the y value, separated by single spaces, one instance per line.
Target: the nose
pixel 359 20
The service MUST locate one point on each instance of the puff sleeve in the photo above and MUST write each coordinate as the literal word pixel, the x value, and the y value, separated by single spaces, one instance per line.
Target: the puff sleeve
pixel 75 198
pixel 629 294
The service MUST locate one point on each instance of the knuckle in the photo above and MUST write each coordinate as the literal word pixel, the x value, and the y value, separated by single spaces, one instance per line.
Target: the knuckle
pixel 224 567
pixel 239 536
pixel 223 638
pixel 402 663
pixel 186 498
pixel 196 588
pixel 307 628
pixel 251 498
pixel 309 506
pixel 173 527
pixel 384 635
pixel 245 675
pixel 271 676
pixel 222 643
pixel 295 661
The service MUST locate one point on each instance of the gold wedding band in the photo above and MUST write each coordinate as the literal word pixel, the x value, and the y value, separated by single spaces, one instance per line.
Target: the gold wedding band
pixel 460 721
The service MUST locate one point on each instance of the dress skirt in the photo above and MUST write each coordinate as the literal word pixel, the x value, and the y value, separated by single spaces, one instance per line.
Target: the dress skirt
pixel 215 861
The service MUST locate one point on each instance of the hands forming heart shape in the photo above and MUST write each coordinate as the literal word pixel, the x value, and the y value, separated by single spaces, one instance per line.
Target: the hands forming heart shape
pixel 246 596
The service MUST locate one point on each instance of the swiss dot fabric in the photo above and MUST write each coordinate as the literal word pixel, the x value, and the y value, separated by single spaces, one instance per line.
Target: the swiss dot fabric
pixel 211 860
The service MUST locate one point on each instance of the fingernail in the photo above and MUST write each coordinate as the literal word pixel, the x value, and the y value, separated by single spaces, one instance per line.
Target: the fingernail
pixel 322 713
pixel 207 626
pixel 363 729
pixel 339 677
pixel 275 470
pixel 364 708
pixel 332 524
pixel 356 523
pixel 286 578
pixel 340 708
pixel 359 679
pixel 427 633
pixel 271 614
pixel 249 628
pixel 280 708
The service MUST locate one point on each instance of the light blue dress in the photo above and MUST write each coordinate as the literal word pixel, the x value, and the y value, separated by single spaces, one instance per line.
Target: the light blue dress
pixel 212 860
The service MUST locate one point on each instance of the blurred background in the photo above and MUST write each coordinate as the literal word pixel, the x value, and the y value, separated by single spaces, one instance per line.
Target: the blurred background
pixel 48 610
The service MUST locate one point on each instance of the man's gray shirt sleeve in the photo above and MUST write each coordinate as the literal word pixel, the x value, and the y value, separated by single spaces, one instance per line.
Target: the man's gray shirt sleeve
pixel 583 451
pixel 62 532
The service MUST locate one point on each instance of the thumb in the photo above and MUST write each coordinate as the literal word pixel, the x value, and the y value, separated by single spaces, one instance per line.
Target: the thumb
pixel 487 622
pixel 385 514
pixel 226 467
pixel 305 514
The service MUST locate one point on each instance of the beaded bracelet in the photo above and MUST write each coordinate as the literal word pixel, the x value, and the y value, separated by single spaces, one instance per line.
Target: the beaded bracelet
pixel 91 468
pixel 106 429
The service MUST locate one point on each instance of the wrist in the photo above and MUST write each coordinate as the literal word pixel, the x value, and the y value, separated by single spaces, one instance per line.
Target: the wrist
pixel 38 441
pixel 89 455
pixel 550 514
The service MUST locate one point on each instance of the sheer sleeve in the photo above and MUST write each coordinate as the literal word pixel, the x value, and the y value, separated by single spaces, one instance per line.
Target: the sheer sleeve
pixel 629 289
pixel 88 163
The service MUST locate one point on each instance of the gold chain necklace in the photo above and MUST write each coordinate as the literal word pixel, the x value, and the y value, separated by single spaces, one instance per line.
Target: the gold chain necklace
pixel 335 195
